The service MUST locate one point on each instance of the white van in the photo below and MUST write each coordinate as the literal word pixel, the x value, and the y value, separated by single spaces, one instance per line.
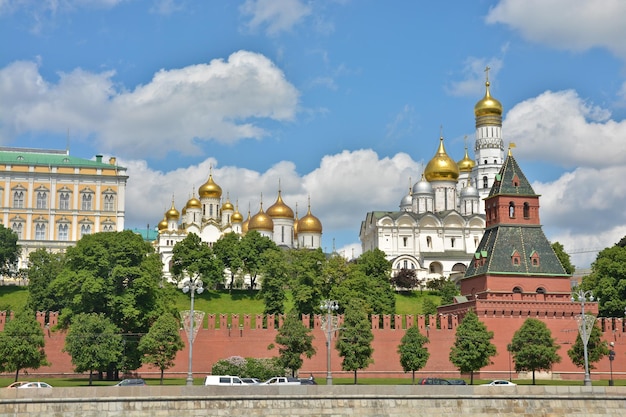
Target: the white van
pixel 222 380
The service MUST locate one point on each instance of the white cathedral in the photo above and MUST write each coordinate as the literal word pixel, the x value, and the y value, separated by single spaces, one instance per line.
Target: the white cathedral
pixel 441 220
pixel 210 218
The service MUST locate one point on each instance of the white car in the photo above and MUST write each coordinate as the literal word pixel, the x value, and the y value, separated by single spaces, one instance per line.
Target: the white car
pixel 282 380
pixel 35 385
pixel 500 383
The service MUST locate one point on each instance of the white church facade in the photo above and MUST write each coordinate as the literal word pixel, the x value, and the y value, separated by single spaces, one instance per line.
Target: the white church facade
pixel 440 222
pixel 210 217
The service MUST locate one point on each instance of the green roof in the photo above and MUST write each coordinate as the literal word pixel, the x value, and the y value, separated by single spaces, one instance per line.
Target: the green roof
pixel 500 243
pixel 45 157
pixel 505 184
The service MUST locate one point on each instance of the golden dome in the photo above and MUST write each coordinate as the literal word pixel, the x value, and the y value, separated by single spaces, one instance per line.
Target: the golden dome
pixel 279 209
pixel 193 203
pixel 244 225
pixel 466 164
pixel 261 221
pixel 172 213
pixel 162 225
pixel 441 167
pixel 488 105
pixel 228 205
pixel 210 189
pixel 309 223
pixel 236 217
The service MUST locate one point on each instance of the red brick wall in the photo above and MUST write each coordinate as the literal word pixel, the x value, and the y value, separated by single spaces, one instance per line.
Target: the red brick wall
pixel 248 340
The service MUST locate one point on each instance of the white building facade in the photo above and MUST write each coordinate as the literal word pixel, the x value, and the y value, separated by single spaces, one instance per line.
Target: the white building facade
pixel 441 220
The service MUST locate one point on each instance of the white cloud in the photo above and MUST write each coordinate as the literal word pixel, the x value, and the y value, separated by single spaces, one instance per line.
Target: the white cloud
pixel 561 128
pixel 274 15
pixel 567 24
pixel 473 82
pixel 222 101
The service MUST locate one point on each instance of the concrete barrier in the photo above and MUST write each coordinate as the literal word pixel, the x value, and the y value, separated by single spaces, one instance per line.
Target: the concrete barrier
pixel 330 401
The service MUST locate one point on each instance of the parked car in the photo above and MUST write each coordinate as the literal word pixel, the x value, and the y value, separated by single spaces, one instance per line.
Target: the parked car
pixel 222 380
pixel 457 382
pixel 17 384
pixel 501 383
pixel 137 382
pixel 281 380
pixel 308 381
pixel 434 381
pixel 37 384
pixel 251 381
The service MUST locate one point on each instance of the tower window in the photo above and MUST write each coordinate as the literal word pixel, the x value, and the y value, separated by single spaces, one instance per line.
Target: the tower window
pixel 485 182
pixel 405 241
pixel 429 242
pixel 512 210
pixel 526 210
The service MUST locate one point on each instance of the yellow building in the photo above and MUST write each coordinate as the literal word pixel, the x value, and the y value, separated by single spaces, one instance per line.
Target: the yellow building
pixel 51 199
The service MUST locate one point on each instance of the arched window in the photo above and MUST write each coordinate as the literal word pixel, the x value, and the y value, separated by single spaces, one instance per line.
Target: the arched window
pixel 429 242
pixel 42 199
pixel 18 228
pixel 109 202
pixel 485 184
pixel 63 231
pixel 18 199
pixel 526 210
pixel 541 290
pixel 64 201
pixel 40 231
pixel 517 290
pixel 511 209
pixel 85 229
pixel 86 201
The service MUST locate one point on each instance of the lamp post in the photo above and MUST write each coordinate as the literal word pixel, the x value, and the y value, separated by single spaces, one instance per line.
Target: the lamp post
pixel 329 306
pixel 508 348
pixel 192 286
pixel 585 325
pixel 611 358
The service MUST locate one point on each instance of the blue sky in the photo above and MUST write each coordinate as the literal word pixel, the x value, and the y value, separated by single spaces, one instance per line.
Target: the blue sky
pixel 342 101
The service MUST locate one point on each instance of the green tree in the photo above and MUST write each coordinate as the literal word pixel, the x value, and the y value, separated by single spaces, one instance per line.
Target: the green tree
pixel 448 291
pixel 274 282
pixel 93 342
pixel 228 250
pixel 355 341
pixel 294 340
pixel 44 267
pixel 533 347
pixel 306 279
pixel 119 275
pixel 160 345
pixel 10 251
pixel 428 307
pixel 193 259
pixel 253 245
pixel 413 354
pixel 472 349
pixel 596 349
pixel 564 257
pixel 607 281
pixel 22 344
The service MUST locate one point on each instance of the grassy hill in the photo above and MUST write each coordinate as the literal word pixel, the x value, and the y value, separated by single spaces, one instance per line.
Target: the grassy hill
pixel 222 302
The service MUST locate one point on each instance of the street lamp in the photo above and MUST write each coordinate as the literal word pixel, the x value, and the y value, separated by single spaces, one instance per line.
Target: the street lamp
pixel 194 286
pixel 329 306
pixel 585 326
pixel 611 358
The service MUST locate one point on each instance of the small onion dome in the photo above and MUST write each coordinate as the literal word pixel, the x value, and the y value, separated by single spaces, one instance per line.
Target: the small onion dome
pixel 228 206
pixel 407 200
pixel 236 217
pixel 261 221
pixel 295 225
pixel 193 203
pixel 488 105
pixel 172 213
pixel 184 211
pixel 244 225
pixel 441 167
pixel 162 225
pixel 422 187
pixel 469 191
pixel 279 209
pixel 210 189
pixel 466 164
pixel 309 224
